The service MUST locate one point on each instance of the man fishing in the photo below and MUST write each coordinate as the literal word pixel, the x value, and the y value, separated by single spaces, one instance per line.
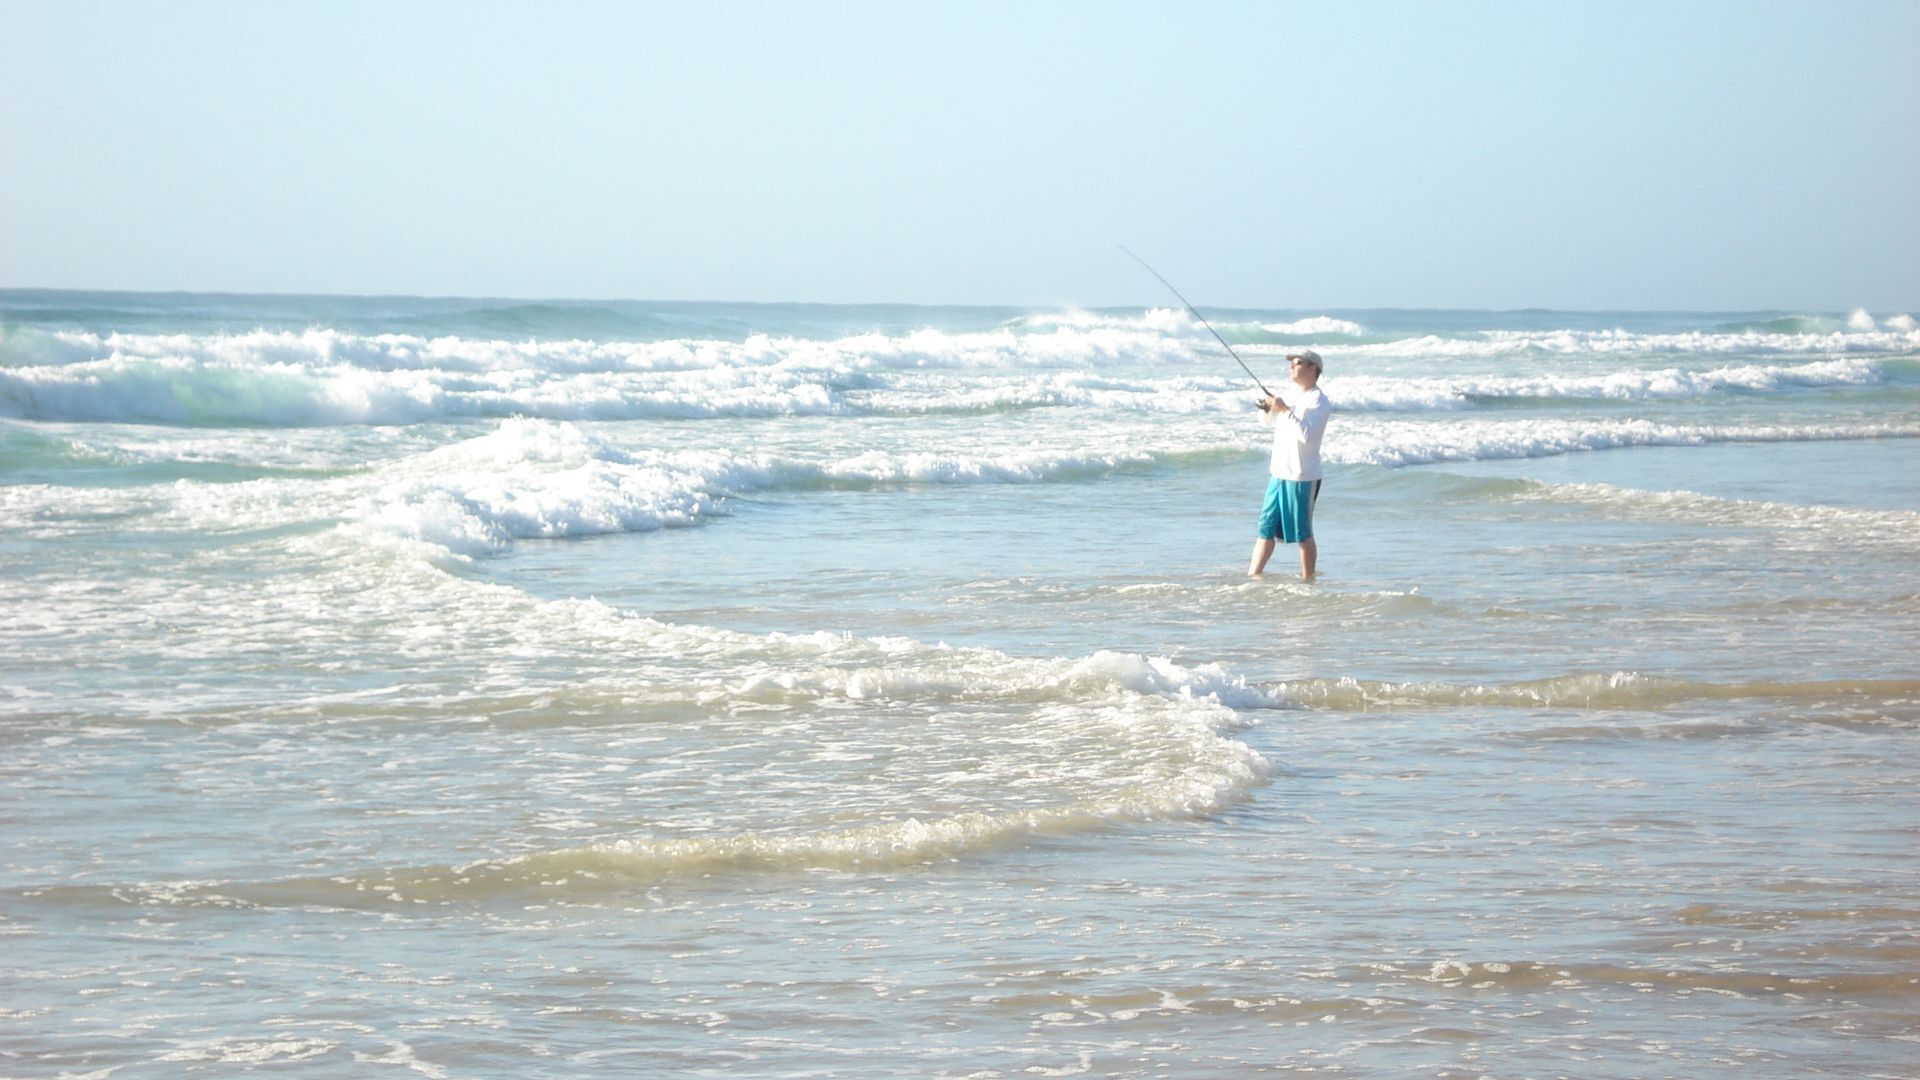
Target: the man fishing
pixel 1299 418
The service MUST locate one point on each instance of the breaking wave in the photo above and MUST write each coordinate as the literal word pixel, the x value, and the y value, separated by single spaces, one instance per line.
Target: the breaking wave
pixel 1158 362
pixel 539 479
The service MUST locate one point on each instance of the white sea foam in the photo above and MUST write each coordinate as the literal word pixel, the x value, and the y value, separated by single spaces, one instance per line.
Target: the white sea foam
pixel 1168 319
pixel 540 479
pixel 529 479
pixel 476 512
pixel 1617 690
pixel 1377 393
pixel 1173 320
pixel 177 392
pixel 941 672
pixel 330 377
pixel 813 749
pixel 1191 395
pixel 1317 324
pixel 1818 523
pixel 1493 344
pixel 246 1051
pixel 1407 442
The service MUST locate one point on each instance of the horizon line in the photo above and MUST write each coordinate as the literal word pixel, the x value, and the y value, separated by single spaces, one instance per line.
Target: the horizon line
pixel 1022 306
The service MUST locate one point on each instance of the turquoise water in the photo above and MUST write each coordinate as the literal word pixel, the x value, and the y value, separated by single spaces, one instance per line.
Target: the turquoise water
pixel 501 688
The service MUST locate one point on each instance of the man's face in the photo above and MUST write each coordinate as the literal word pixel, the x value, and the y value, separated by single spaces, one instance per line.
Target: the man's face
pixel 1304 372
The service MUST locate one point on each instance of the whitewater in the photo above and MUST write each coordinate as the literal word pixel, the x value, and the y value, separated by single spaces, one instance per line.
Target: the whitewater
pixel 500 687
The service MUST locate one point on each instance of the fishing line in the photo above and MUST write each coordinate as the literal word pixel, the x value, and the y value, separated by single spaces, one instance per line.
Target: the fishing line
pixel 1203 322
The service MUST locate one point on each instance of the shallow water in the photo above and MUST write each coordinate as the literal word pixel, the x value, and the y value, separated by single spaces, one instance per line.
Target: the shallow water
pixel 715 688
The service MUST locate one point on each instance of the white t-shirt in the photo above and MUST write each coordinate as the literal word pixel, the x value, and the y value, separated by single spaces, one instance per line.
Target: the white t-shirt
pixel 1296 433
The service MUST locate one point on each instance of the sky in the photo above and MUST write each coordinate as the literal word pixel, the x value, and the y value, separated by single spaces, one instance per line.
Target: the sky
pixel 1717 156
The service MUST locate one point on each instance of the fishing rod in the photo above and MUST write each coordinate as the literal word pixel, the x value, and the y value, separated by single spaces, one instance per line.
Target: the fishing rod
pixel 1203 322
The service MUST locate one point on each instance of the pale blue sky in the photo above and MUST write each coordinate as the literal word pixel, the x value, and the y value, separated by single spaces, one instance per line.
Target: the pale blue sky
pixel 1674 155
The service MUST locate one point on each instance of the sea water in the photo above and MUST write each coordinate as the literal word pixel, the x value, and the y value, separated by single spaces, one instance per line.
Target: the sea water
pixel 498 688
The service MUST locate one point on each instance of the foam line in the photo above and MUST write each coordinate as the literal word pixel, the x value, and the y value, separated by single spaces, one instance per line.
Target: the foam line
pixel 325 377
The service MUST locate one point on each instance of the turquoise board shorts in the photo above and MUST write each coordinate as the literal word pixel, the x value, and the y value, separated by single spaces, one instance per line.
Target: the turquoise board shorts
pixel 1287 513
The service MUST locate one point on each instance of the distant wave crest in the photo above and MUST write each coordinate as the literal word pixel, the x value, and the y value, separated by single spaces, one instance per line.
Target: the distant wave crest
pixel 325 377
pixel 1317 324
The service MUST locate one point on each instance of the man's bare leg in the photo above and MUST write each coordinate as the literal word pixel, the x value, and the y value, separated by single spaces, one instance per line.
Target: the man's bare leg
pixel 1309 553
pixel 1262 551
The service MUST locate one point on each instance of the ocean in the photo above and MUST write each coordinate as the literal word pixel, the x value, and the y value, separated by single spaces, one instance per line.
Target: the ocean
pixel 535 689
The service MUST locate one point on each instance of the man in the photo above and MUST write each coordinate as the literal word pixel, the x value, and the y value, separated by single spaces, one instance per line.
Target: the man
pixel 1299 417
